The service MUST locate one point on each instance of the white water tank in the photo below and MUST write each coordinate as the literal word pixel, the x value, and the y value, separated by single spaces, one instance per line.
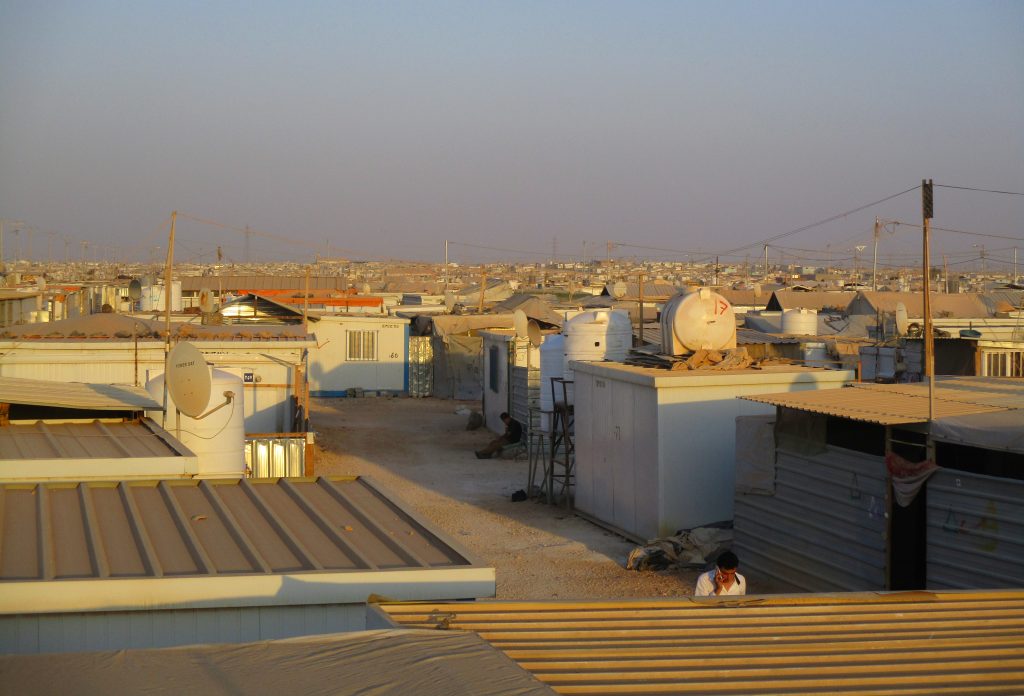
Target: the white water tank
pixel 153 298
pixel 597 334
pixel 800 322
pixel 698 319
pixel 218 440
pixel 816 355
pixel 552 364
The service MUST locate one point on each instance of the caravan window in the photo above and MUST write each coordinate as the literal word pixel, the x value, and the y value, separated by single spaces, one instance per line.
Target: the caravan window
pixel 362 345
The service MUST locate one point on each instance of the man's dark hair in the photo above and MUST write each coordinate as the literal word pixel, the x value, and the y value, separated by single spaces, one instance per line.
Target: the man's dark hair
pixel 503 416
pixel 727 560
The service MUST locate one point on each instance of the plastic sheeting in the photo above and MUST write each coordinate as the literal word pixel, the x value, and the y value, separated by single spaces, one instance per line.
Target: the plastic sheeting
pixel 997 431
pixel 399 662
pixel 458 367
pixel 755 454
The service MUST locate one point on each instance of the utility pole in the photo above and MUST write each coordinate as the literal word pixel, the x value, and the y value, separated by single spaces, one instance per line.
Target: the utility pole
pixel 167 312
pixel 716 272
pixel 483 285
pixel 766 263
pixel 874 263
pixel 640 320
pixel 929 338
pixel 945 274
pixel 1015 265
pixel 446 267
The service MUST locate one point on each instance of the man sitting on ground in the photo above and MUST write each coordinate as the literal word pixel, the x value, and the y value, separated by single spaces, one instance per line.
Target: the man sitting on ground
pixel 513 434
pixel 723 580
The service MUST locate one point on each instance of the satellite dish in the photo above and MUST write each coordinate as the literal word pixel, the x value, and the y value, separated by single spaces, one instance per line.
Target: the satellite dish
pixel 521 323
pixel 188 379
pixel 135 290
pixel 901 319
pixel 533 331
pixel 619 290
pixel 206 301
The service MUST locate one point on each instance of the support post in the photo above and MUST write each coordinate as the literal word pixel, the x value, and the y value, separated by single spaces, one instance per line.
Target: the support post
pixel 929 338
pixel 874 262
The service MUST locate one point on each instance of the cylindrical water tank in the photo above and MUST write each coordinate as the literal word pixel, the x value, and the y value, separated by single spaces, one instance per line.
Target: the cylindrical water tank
pixel 598 334
pixel 800 322
pixel 697 320
pixel 147 303
pixel 816 355
pixel 218 440
pixel 552 364
pixel 176 305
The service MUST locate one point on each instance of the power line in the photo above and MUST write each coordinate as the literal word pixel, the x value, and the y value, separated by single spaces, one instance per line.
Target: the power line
pixel 967 232
pixel 969 188
pixel 819 223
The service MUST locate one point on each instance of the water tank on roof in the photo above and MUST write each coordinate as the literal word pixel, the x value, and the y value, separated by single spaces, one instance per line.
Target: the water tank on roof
pixel 598 334
pixel 218 440
pixel 552 364
pixel 698 319
pixel 800 322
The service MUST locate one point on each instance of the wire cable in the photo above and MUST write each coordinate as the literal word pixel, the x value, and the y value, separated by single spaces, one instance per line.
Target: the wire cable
pixel 970 188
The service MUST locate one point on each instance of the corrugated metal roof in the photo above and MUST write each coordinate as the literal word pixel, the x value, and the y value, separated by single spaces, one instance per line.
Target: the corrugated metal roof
pixel 95 440
pixel 203 528
pixel 815 299
pixel 389 661
pixel 957 306
pixel 95 397
pixel 219 542
pixel 896 404
pixel 261 282
pixel 907 643
pixel 118 327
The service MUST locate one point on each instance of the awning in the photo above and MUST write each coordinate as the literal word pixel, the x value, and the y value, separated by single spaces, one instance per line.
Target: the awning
pixel 93 397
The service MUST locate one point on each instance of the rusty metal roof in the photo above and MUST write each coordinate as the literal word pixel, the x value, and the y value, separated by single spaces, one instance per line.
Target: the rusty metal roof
pixel 907 643
pixel 901 404
pixel 93 397
pixel 65 533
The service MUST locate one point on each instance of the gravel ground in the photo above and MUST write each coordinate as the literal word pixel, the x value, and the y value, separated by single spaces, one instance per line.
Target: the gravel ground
pixel 421 453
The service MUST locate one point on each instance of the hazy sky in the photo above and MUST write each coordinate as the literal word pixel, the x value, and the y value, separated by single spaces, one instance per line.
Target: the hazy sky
pixel 385 128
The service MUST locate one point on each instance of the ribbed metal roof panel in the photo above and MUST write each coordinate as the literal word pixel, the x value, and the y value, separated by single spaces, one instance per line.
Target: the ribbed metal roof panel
pixel 95 440
pixel 900 404
pixel 907 643
pixel 206 528
pixel 95 397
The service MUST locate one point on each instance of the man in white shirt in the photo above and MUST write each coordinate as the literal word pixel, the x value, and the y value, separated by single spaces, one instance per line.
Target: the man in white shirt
pixel 723 580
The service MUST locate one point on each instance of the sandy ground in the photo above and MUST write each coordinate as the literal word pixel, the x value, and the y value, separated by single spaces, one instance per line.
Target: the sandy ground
pixel 420 451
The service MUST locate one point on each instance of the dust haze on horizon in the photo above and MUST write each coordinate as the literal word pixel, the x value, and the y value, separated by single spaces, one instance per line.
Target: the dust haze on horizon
pixel 378 130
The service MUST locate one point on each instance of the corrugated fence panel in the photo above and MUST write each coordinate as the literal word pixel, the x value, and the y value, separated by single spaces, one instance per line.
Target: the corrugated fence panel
pixel 824 529
pixel 975 531
pixel 421 366
pixel 274 457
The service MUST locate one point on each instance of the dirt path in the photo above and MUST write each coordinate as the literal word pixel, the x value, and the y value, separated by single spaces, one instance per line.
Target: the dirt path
pixel 420 451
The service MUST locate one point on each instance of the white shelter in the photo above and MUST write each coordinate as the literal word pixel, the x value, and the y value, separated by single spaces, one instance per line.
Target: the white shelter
pixel 655 449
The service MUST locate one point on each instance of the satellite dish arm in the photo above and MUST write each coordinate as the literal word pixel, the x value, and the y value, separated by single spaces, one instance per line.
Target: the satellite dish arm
pixel 229 396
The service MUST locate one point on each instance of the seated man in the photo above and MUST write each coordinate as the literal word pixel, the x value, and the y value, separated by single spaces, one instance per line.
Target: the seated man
pixel 513 434
pixel 723 580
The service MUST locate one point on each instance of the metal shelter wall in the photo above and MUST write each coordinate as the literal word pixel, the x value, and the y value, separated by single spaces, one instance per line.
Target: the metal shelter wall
pixel 525 383
pixel 824 529
pixel 421 366
pixel 975 531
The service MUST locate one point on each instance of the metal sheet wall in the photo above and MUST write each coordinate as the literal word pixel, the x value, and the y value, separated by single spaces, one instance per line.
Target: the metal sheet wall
pixel 975 531
pixel 824 530
pixel 274 457
pixel 81 632
pixel 421 367
pixel 525 383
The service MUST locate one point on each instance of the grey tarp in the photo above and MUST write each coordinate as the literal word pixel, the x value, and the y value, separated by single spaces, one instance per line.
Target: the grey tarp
pixel 458 367
pixel 393 661
pixel 998 431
